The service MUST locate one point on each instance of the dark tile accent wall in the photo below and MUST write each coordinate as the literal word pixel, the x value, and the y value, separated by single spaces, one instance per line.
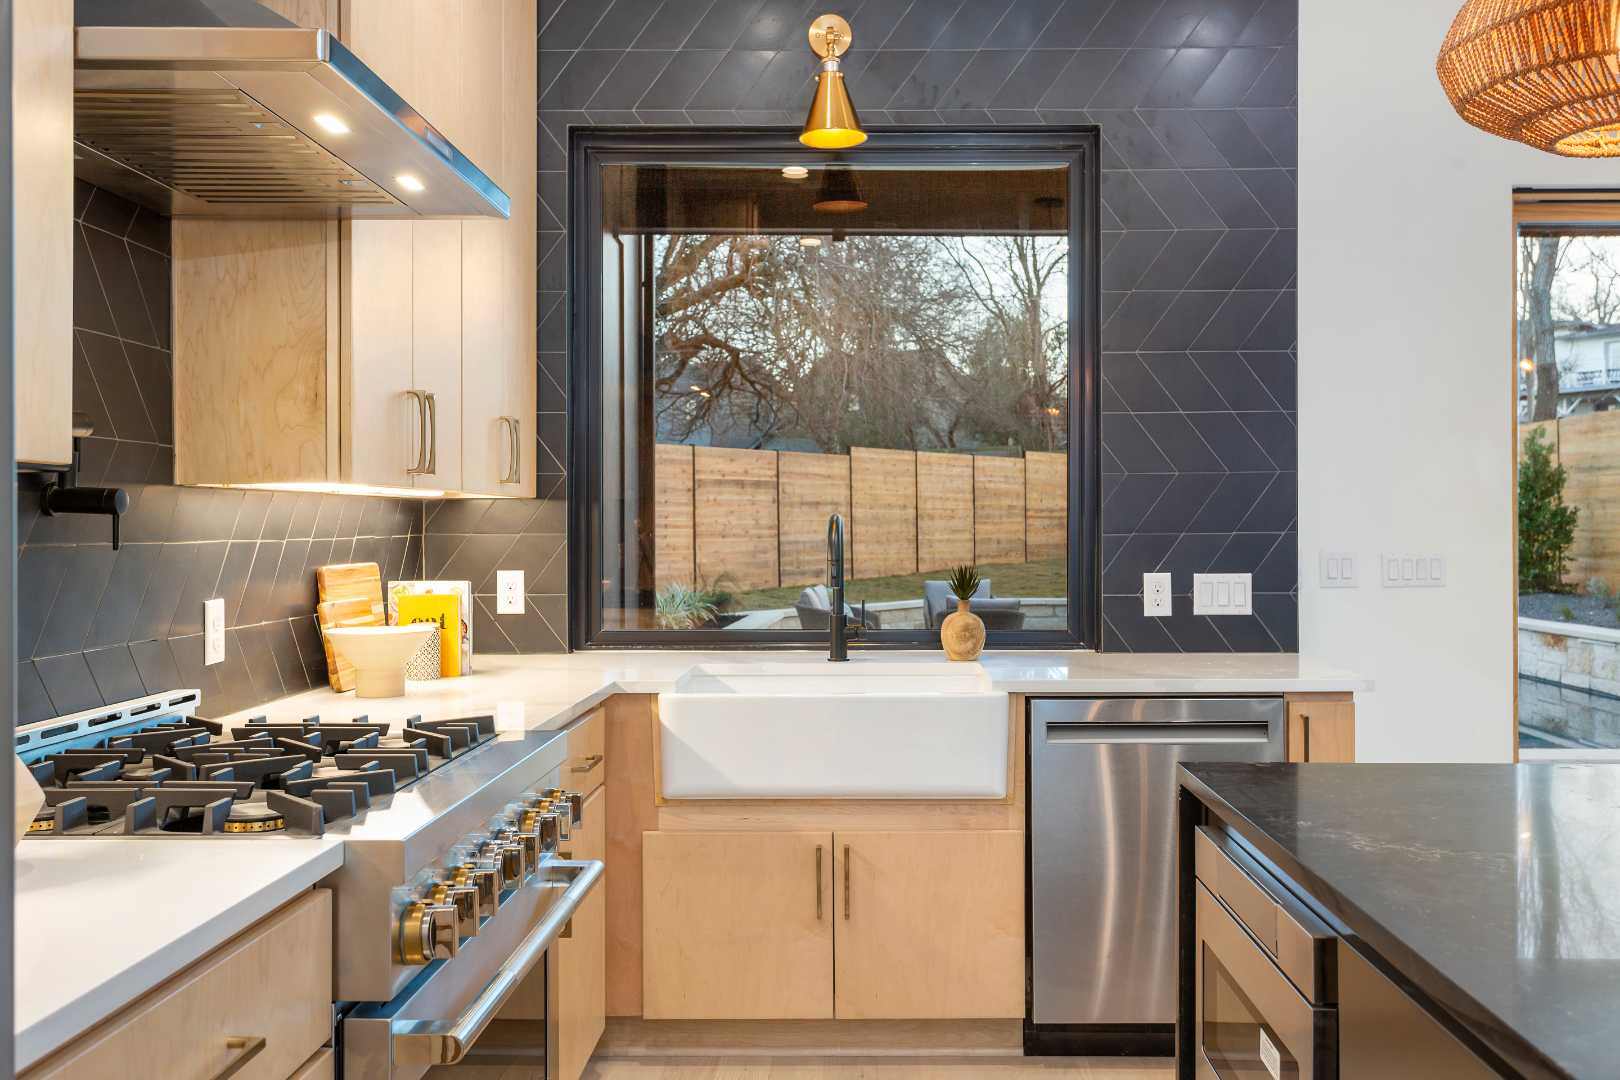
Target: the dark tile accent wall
pixel 95 626
pixel 1197 103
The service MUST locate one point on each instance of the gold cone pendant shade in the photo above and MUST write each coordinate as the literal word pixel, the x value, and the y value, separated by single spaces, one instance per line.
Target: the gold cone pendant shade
pixel 832 123
pixel 1538 72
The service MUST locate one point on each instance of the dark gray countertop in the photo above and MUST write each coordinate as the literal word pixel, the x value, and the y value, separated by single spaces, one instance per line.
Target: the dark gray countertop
pixel 1494 889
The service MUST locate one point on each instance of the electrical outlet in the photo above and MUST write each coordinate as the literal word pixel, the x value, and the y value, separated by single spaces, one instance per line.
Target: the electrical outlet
pixel 1338 570
pixel 1413 571
pixel 508 592
pixel 1222 594
pixel 1156 595
pixel 214 631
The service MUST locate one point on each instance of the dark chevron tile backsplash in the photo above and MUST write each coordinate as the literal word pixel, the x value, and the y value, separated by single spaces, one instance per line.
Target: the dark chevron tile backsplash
pixel 96 626
pixel 1197 104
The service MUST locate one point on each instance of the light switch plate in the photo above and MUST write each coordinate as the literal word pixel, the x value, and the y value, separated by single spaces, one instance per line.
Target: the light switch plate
pixel 508 592
pixel 1222 594
pixel 1156 602
pixel 1412 571
pixel 1337 571
pixel 214 631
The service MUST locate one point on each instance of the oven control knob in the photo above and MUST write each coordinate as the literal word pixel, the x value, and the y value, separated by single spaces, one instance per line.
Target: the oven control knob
pixel 572 801
pixel 426 932
pixel 464 898
pixel 548 827
pixel 510 862
pixel 484 881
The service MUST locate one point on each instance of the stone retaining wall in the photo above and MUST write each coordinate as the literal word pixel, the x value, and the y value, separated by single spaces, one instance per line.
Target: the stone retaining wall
pixel 1569 654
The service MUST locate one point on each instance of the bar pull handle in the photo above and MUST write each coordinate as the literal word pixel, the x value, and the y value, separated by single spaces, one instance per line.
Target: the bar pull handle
pixel 846 882
pixel 514 430
pixel 590 763
pixel 433 434
pixel 244 1048
pixel 818 882
pixel 1305 726
pixel 421 434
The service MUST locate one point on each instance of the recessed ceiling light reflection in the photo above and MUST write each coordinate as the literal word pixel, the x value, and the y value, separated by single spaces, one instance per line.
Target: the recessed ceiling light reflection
pixel 331 124
pixel 409 182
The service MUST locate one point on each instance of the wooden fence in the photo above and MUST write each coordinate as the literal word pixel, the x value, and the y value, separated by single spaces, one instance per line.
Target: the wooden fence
pixel 1588 446
pixel 760 516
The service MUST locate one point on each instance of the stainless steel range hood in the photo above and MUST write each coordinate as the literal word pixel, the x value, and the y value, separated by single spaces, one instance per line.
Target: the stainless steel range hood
pixel 220 108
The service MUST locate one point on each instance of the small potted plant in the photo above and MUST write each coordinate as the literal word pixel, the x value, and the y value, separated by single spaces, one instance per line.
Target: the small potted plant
pixel 961 634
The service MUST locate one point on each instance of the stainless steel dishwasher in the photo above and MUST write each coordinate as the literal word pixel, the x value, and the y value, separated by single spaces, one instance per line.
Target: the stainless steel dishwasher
pixel 1102 858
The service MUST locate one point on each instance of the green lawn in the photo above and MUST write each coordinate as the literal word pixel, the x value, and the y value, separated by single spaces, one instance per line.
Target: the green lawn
pixel 1046 577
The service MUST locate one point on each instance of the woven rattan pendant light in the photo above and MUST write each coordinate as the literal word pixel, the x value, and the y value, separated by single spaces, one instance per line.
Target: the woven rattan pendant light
pixel 1542 72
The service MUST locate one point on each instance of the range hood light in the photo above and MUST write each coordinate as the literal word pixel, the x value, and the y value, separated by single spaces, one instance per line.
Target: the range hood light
pixel 409 182
pixel 331 124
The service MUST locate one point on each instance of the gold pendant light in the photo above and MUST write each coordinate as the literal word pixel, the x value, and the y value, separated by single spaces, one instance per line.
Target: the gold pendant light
pixel 832 123
pixel 1541 72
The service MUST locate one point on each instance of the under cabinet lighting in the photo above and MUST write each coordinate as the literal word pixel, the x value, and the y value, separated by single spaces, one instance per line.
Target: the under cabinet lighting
pixel 331 124
pixel 810 241
pixel 795 172
pixel 409 182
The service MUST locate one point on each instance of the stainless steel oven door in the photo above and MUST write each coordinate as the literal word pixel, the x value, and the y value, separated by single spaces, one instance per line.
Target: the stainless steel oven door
pixel 437 1018
pixel 1252 1023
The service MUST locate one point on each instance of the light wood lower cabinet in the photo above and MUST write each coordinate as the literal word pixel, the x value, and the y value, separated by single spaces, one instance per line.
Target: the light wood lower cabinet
pixel 1322 729
pixel 323 1066
pixel 581 956
pixel 737 925
pixel 271 982
pixel 752 926
pixel 930 925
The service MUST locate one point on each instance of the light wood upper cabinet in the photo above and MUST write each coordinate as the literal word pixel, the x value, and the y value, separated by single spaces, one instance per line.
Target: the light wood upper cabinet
pixel 42 234
pixel 737 926
pixel 420 333
pixel 930 925
pixel 1321 728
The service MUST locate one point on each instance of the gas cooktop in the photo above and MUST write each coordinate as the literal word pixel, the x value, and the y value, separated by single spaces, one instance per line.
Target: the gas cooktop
pixel 151 767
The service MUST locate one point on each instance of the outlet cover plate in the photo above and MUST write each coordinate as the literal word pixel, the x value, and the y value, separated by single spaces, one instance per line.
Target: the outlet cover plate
pixel 214 631
pixel 1156 602
pixel 508 592
pixel 1222 594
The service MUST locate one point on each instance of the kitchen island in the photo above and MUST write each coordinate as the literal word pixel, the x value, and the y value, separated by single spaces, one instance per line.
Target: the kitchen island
pixel 1487 896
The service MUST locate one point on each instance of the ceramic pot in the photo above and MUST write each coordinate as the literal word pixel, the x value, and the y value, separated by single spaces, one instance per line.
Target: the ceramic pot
pixel 961 635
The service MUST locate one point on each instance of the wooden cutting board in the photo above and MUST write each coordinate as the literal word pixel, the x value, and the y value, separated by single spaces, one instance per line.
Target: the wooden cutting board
pixel 347 581
pixel 355 611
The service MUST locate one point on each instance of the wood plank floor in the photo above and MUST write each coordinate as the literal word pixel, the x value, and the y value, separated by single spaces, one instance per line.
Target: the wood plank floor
pixel 781 1068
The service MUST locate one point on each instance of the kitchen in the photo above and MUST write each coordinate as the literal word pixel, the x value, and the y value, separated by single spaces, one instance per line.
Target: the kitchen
pixel 459 491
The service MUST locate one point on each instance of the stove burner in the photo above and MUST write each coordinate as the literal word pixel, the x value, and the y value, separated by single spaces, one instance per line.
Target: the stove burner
pixel 250 818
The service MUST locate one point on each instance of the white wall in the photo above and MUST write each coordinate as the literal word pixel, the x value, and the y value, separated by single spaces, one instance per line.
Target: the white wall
pixel 1405 377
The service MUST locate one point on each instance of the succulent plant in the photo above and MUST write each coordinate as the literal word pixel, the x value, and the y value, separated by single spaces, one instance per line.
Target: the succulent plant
pixel 964 582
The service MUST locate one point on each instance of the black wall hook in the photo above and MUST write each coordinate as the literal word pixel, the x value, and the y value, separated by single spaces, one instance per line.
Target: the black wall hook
pixel 65 496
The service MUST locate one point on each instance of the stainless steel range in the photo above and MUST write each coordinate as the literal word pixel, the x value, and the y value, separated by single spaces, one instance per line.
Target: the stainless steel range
pixel 454 885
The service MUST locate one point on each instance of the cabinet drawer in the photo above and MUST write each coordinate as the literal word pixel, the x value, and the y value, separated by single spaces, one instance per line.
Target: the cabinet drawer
pixel 323 1066
pixel 271 982
pixel 586 765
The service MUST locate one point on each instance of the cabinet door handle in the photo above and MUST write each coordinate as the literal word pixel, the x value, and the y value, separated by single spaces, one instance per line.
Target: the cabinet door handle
pixel 514 439
pixel 244 1049
pixel 1305 726
pixel 818 882
pixel 433 434
pixel 590 762
pixel 421 434
pixel 846 882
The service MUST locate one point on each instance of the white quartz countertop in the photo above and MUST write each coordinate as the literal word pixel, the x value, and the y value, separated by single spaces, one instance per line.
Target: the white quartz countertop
pixel 104 919
pixel 538 692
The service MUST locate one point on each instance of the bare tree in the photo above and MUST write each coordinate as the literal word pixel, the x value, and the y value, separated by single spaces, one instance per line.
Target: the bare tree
pixel 1538 269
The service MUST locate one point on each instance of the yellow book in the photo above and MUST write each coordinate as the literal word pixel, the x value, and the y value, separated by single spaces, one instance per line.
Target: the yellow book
pixel 443 610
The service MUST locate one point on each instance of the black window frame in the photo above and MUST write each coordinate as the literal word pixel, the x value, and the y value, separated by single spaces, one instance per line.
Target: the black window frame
pixel 592 148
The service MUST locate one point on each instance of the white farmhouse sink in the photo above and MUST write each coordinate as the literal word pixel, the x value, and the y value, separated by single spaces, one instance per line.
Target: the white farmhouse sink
pixel 870 730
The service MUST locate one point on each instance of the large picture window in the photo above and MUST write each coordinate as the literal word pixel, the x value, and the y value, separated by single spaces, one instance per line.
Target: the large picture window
pixel 764 336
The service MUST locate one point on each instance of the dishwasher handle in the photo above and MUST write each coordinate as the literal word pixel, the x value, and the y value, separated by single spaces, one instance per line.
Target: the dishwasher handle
pixel 1169 734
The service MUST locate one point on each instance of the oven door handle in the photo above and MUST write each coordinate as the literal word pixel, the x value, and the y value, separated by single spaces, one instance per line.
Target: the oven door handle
pixel 445 1042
